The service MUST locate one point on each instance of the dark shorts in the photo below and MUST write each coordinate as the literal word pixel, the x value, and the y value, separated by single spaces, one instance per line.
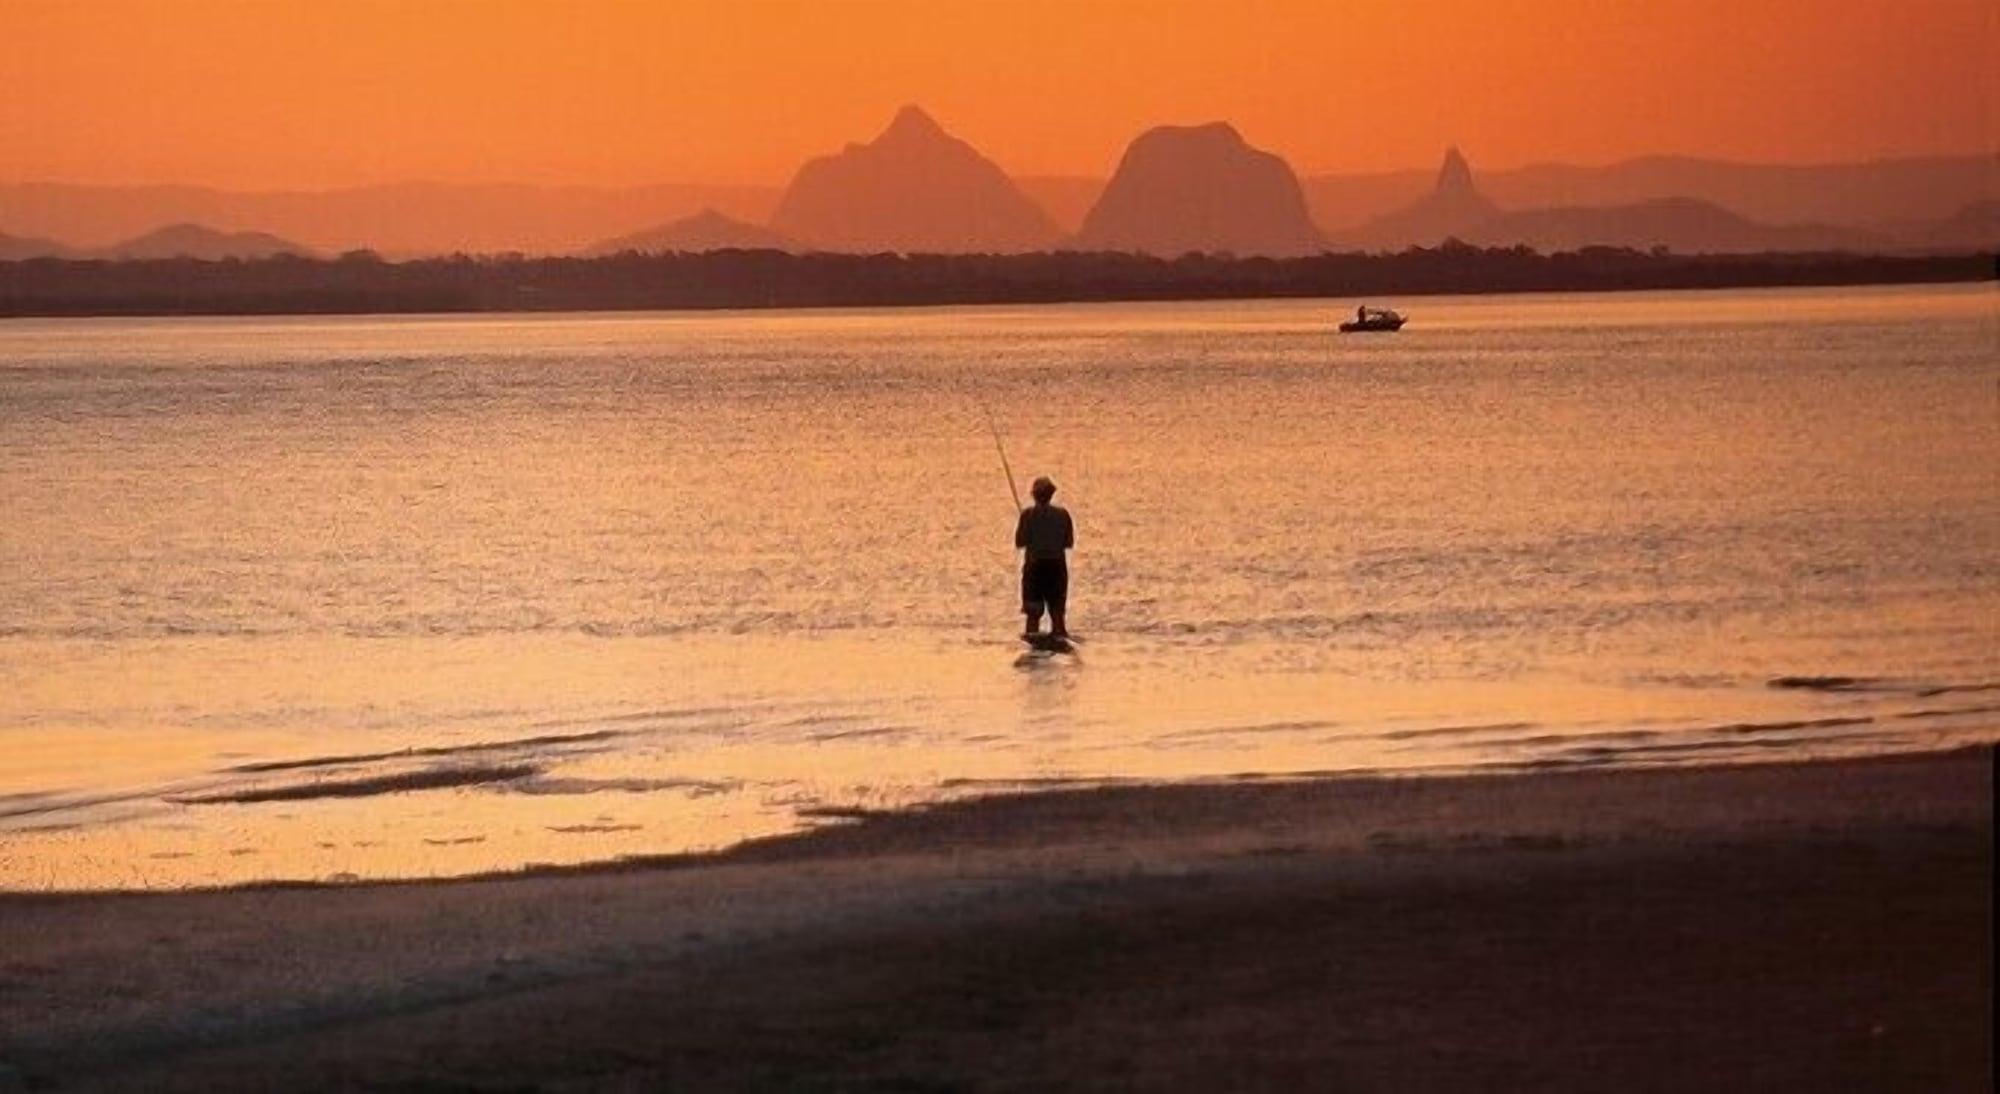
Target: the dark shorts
pixel 1045 583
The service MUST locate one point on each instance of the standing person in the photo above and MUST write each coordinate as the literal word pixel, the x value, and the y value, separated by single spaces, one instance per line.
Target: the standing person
pixel 1043 534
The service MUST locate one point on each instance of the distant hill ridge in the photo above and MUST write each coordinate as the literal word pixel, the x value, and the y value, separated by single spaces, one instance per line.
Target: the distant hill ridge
pixel 1456 209
pixel 14 248
pixel 199 241
pixel 1876 195
pixel 170 241
pixel 1978 225
pixel 705 231
pixel 403 219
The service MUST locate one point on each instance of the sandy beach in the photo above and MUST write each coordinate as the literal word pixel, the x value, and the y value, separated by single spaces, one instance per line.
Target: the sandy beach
pixel 1808 926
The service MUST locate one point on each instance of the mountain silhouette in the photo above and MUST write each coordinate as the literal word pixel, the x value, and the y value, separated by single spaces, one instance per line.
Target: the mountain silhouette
pixel 1899 200
pixel 915 188
pixel 707 230
pixel 1975 227
pixel 1200 188
pixel 401 219
pixel 1881 196
pixel 1679 224
pixel 197 241
pixel 16 248
pixel 1454 209
pixel 1868 195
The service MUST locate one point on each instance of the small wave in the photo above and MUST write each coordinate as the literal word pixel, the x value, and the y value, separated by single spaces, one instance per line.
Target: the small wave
pixel 1573 738
pixel 841 812
pixel 415 753
pixel 53 803
pixel 823 720
pixel 1038 781
pixel 1922 689
pixel 1262 727
pixel 1781 727
pixel 1946 712
pixel 584 829
pixel 434 779
pixel 1697 748
pixel 28 801
pixel 863 732
pixel 1947 689
pixel 1453 731
pixel 696 787
pixel 1701 680
pixel 1824 683
pixel 663 715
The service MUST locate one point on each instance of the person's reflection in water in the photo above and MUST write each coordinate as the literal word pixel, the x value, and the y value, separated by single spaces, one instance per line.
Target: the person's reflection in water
pixel 1043 534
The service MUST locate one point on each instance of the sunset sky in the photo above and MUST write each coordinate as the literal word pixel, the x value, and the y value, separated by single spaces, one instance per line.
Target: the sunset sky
pixel 316 93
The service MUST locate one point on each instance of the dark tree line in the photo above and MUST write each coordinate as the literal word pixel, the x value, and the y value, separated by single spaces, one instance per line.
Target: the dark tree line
pixel 360 282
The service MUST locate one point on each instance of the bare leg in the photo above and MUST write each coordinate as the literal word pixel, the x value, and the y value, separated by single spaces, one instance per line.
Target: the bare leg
pixel 1057 626
pixel 1035 622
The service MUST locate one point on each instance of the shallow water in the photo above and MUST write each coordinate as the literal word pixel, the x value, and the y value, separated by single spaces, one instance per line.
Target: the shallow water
pixel 310 598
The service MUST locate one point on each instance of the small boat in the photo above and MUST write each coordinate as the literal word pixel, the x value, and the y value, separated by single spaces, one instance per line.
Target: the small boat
pixel 1373 319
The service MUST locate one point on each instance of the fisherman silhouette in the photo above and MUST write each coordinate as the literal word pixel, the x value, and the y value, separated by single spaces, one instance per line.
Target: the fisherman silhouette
pixel 1043 534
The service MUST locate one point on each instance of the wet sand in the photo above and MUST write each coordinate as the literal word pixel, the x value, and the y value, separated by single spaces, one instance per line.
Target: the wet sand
pixel 1807 926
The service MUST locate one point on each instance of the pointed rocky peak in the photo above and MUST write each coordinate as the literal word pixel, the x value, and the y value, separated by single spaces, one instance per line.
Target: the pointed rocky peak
pixel 1455 177
pixel 912 125
pixel 1454 209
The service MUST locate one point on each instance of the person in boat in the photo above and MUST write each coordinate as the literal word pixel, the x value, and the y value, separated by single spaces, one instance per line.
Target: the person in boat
pixel 1361 314
pixel 1044 535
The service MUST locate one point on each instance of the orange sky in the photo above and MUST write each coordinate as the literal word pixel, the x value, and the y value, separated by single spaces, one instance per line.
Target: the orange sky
pixel 312 93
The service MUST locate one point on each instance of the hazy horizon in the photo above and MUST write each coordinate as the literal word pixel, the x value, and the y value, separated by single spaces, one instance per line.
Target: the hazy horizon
pixel 291 99
pixel 1426 170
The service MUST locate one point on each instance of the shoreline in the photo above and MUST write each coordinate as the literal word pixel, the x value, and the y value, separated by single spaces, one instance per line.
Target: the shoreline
pixel 983 818
pixel 753 281
pixel 1352 917
pixel 755 309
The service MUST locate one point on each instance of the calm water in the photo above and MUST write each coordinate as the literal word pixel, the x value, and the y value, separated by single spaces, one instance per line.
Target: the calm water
pixel 359 596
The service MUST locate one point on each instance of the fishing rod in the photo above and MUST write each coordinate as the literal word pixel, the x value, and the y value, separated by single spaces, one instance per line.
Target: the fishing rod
pixel 1000 446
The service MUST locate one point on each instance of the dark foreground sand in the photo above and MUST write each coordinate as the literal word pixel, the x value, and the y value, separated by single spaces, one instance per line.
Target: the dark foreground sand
pixel 1811 927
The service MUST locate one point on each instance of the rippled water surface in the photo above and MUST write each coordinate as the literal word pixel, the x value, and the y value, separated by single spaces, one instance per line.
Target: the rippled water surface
pixel 313 598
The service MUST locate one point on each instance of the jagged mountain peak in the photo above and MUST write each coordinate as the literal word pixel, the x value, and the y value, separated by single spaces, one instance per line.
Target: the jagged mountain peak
pixel 1454 208
pixel 913 188
pixel 912 123
pixel 1455 176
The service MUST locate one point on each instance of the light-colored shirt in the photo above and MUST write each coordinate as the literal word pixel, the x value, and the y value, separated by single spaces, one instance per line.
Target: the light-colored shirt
pixel 1045 531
